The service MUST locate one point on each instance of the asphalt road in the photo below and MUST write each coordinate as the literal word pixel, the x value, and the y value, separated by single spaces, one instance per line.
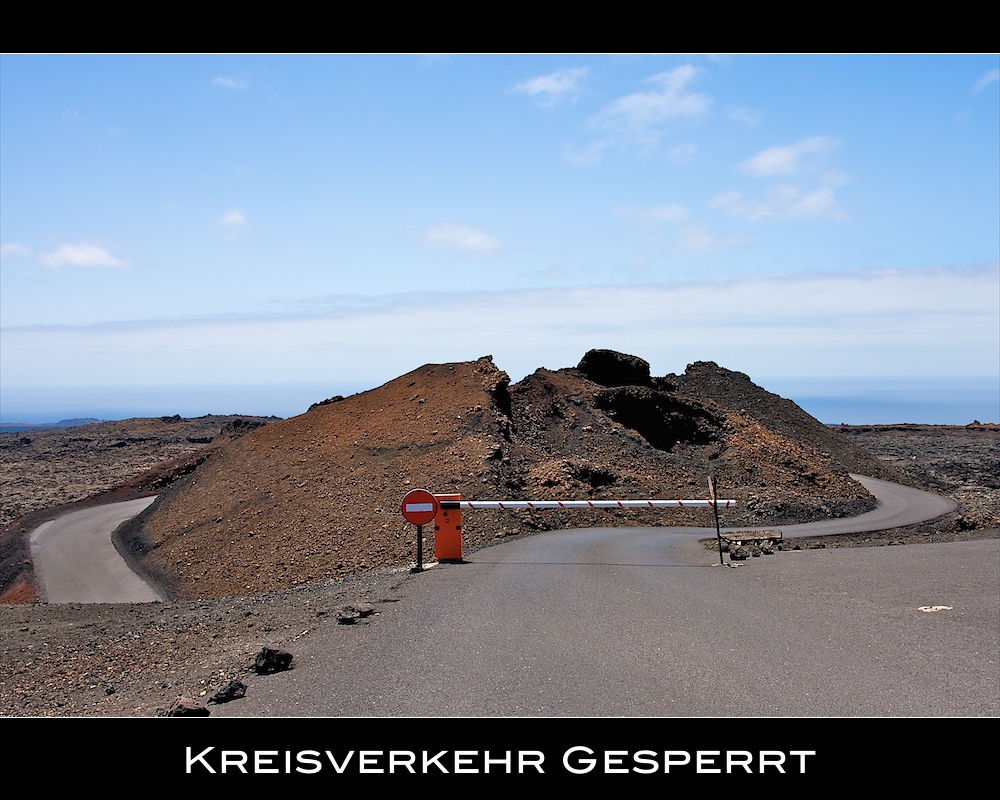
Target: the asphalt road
pixel 75 561
pixel 898 506
pixel 641 622
pixel 645 622
pixel 638 622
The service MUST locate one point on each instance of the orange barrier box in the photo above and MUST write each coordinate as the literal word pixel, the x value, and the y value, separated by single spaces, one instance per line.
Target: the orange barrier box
pixel 448 529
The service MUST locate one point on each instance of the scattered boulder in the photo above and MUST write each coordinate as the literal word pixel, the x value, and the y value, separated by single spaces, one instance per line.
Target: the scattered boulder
pixel 270 660
pixel 350 614
pixel 739 552
pixel 233 690
pixel 186 707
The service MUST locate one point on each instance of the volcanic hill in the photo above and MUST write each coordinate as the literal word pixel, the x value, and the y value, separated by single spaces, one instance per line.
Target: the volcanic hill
pixel 317 496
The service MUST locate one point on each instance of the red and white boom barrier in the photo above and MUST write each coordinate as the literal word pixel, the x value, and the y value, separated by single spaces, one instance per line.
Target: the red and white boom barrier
pixel 505 504
pixel 421 507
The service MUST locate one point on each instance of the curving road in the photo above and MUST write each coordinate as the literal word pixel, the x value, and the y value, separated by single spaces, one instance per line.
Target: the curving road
pixel 897 506
pixel 639 622
pixel 75 561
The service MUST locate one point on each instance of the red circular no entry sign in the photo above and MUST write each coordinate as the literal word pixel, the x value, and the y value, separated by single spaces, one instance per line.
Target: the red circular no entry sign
pixel 420 507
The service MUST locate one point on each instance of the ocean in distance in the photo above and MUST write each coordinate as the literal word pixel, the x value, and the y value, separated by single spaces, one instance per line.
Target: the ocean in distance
pixel 891 401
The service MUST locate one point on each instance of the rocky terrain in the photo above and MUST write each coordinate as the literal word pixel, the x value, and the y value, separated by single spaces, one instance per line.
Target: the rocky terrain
pixel 283 527
pixel 317 496
pixel 45 470
pixel 962 462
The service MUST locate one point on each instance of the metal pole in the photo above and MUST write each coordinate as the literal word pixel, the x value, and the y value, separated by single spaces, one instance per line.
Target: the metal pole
pixel 420 550
pixel 715 513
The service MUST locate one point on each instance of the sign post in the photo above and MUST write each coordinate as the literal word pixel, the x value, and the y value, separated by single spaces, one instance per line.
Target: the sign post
pixel 419 507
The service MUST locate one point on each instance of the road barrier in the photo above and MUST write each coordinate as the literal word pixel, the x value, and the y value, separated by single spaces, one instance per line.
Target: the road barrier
pixel 505 504
pixel 421 507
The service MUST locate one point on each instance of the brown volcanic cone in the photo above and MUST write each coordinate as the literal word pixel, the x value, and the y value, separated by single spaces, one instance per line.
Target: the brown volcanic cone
pixel 318 496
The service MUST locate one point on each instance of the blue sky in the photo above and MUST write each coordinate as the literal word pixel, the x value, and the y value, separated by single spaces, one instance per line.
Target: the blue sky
pixel 249 234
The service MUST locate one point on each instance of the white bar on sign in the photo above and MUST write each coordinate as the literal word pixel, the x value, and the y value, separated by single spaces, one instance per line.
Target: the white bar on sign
pixel 411 507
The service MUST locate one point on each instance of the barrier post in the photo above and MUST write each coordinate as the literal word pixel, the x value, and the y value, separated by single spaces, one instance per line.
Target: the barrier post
pixel 448 529
pixel 715 513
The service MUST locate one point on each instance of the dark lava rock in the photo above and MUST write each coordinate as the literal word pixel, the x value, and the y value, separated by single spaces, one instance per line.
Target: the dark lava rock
pixel 739 553
pixel 611 368
pixel 269 660
pixel 661 419
pixel 233 690
pixel 335 399
pixel 238 426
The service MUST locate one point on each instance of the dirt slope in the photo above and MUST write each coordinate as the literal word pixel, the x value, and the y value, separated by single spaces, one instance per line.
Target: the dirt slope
pixel 317 496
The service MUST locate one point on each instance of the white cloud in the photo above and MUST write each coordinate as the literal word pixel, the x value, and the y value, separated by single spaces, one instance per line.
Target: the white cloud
pixel 696 239
pixel 588 155
pixel 229 83
pixel 637 117
pixel 558 85
pixel 233 220
pixel 783 201
pixel 657 215
pixel 805 159
pixel 462 237
pixel 748 116
pixel 683 153
pixel 900 322
pixel 668 213
pixel 688 237
pixel 788 159
pixel 14 250
pixel 80 255
pixel 990 77
pixel 726 200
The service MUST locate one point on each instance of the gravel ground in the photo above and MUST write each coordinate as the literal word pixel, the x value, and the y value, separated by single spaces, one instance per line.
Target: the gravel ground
pixel 136 660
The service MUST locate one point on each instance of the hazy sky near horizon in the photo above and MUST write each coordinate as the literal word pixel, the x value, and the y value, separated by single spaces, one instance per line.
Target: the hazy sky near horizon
pixel 247 220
